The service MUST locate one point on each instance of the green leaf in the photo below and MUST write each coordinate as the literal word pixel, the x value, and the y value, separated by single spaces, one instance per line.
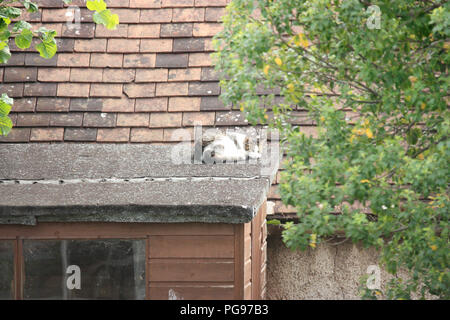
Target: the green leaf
pixel 5 99
pixel 5 108
pixel 5 125
pixel 106 18
pixel 30 6
pixel 97 5
pixel 23 41
pixel 5 54
pixel 19 25
pixel 10 12
pixel 47 49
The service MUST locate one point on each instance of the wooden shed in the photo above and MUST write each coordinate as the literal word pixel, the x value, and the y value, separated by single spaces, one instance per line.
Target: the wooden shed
pixel 100 221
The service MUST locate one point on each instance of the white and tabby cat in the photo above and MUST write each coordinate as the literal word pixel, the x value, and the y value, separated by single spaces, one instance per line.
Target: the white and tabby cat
pixel 230 147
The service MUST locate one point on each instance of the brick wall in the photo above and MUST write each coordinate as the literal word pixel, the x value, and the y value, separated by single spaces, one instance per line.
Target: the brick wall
pixel 135 84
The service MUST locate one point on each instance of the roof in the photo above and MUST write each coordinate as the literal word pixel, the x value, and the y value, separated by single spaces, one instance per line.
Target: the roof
pixel 136 84
pixel 124 183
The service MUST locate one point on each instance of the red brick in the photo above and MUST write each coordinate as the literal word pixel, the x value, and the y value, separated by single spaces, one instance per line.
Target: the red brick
pixel 174 30
pixel 104 60
pixel 17 135
pixel 50 4
pixel 106 90
pixel 230 118
pixel 177 3
pixel 156 16
pixel 188 44
pixel 47 134
pixel 210 74
pixel 123 45
pixel 200 60
pixel 127 15
pixel 118 105
pixel 113 135
pixel 190 74
pixel 80 134
pixel 39 89
pixel 147 135
pixel 172 89
pixel 151 75
pixel 178 134
pixel 206 29
pixel 17 59
pixel 86 104
pixel 121 31
pixel 211 3
pixel 145 3
pixel 33 59
pixel 156 45
pixel 184 104
pixel 203 118
pixel 66 119
pixel 73 60
pixel 134 90
pixel 20 74
pixel 59 15
pixel 164 120
pixel 188 14
pixel 118 75
pixel 85 30
pixel 168 60
pixel 85 75
pixel 139 60
pixel 73 90
pixel 204 89
pixel 213 103
pixel 29 16
pixel 24 105
pixel 13 90
pixel 51 26
pixel 65 44
pixel 151 105
pixel 117 3
pixel 53 74
pixel 99 119
pixel 143 31
pixel 133 119
pixel 214 14
pixel 209 45
pixel 53 104
pixel 33 120
pixel 91 45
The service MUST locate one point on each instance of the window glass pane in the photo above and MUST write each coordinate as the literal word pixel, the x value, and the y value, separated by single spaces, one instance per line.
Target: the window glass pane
pixel 84 269
pixel 6 270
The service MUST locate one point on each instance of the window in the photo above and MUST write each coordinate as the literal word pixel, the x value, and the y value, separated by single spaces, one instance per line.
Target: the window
pixel 6 270
pixel 76 269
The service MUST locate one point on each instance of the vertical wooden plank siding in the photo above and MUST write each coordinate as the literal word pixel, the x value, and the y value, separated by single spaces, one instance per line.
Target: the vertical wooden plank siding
pixel 258 254
pixel 239 262
pixel 18 269
pixel 183 261
pixel 248 261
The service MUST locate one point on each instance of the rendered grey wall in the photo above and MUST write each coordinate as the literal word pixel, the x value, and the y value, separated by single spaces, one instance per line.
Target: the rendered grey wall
pixel 326 272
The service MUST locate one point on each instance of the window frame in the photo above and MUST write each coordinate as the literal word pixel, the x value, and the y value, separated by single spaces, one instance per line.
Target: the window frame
pixel 69 231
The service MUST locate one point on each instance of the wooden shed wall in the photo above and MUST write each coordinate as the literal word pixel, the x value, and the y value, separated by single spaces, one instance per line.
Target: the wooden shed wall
pixel 184 260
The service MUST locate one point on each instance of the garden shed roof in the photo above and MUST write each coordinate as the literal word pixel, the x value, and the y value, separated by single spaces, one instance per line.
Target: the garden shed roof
pixel 125 183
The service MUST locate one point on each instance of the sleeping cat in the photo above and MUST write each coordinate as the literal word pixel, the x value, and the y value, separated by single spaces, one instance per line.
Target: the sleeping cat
pixel 230 147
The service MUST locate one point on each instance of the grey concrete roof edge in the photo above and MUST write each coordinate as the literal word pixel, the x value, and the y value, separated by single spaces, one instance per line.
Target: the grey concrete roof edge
pixel 24 215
